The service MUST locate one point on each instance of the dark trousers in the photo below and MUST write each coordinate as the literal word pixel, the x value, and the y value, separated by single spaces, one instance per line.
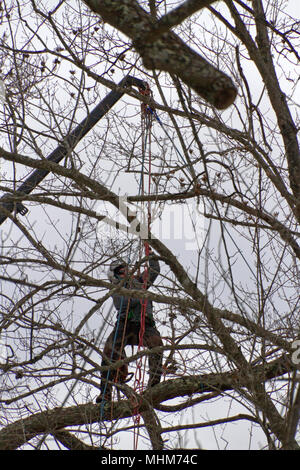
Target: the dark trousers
pixel 114 350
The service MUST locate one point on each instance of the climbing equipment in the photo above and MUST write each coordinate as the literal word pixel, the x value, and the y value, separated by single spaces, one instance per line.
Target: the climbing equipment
pixel 146 117
pixel 146 123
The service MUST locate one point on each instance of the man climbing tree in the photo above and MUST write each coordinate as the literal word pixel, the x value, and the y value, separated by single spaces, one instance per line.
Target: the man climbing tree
pixel 135 325
pixel 224 82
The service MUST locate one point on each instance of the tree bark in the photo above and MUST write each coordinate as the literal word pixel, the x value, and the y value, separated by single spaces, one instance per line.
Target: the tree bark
pixel 166 51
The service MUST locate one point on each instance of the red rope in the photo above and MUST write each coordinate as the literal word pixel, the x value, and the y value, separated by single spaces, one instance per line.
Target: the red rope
pixel 140 375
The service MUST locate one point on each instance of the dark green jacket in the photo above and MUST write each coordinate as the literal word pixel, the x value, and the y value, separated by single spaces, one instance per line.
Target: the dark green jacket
pixel 133 306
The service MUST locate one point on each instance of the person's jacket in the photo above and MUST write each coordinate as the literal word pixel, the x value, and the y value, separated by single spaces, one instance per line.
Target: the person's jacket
pixel 132 306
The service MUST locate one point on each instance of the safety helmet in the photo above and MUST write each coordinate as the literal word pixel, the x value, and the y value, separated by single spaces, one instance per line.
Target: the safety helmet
pixel 115 265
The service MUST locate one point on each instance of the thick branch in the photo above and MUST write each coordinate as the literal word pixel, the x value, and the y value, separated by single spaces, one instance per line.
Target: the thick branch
pixel 51 421
pixel 71 442
pixel 167 52
pixel 176 17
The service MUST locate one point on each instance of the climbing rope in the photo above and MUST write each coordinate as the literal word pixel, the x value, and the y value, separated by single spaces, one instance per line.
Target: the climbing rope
pixel 146 118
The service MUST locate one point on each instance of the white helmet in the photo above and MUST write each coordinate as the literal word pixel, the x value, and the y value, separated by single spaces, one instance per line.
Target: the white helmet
pixel 118 263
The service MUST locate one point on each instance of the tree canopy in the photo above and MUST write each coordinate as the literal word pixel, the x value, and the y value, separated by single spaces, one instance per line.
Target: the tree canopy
pixel 211 153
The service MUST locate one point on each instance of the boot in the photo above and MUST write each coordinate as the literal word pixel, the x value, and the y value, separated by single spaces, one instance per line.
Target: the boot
pixel 104 397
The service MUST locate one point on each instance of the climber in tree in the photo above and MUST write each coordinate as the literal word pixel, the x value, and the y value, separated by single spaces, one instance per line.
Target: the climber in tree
pixel 128 325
